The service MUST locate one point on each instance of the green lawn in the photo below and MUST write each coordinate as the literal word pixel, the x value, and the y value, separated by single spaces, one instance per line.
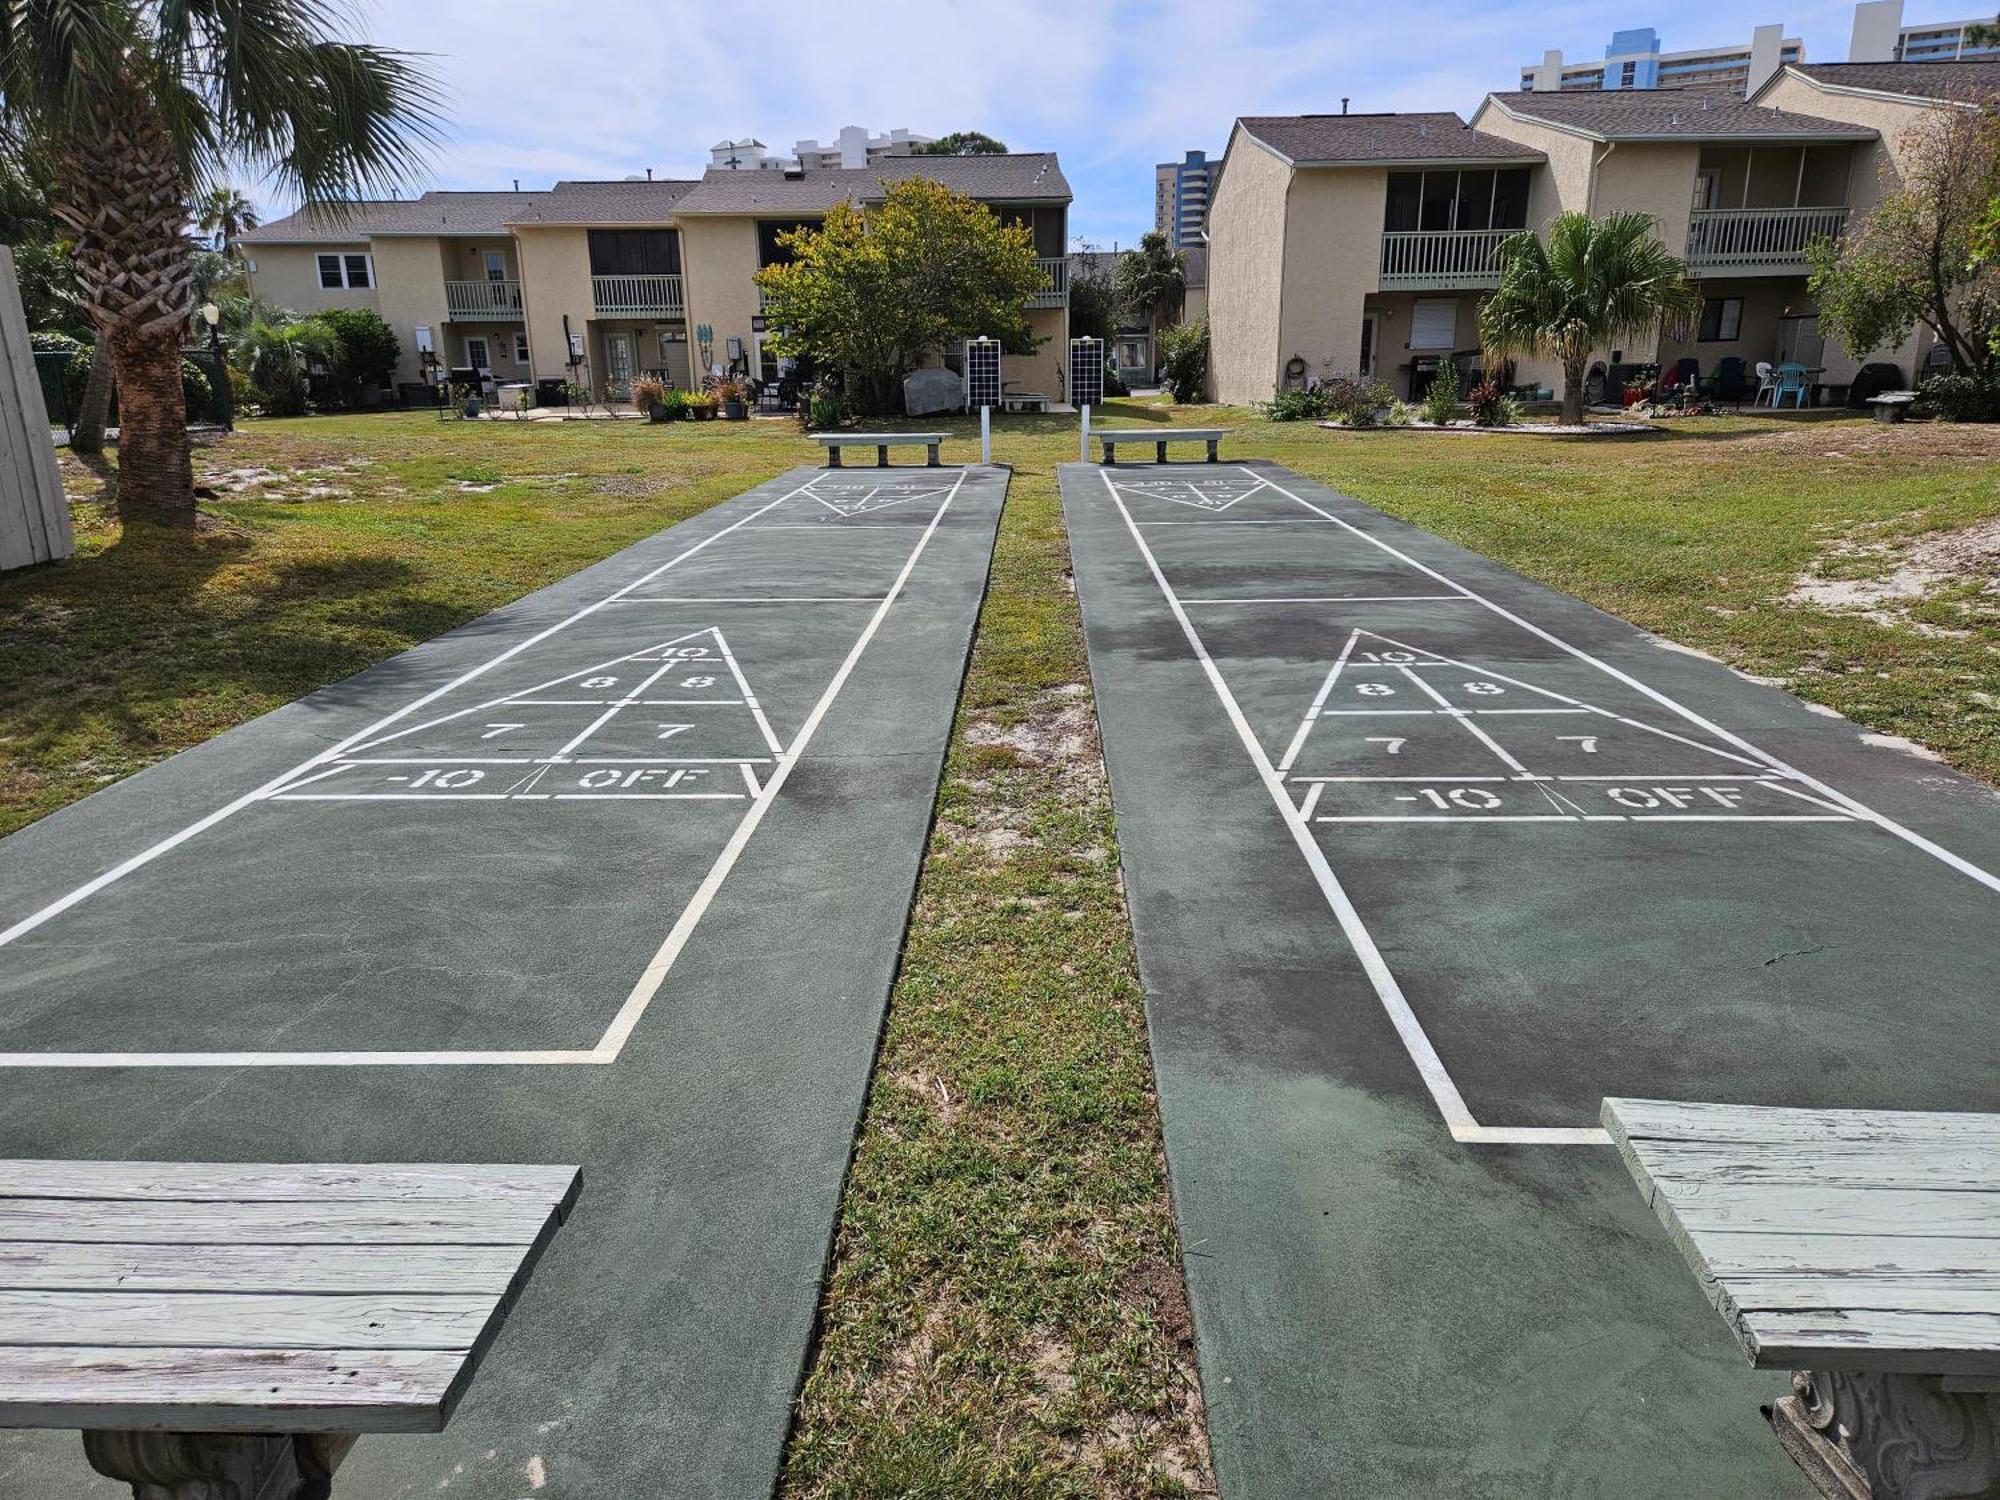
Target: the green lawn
pixel 1005 1313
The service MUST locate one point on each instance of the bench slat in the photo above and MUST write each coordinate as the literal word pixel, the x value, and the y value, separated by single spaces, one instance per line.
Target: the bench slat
pixel 1806 1211
pixel 1778 1253
pixel 504 1222
pixel 1908 1343
pixel 239 1390
pixel 1660 1119
pixel 488 1270
pixel 878 439
pixel 252 1320
pixel 1978 1292
pixel 1947 1165
pixel 306 1183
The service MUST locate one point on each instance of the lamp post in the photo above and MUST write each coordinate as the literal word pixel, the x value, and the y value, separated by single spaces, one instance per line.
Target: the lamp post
pixel 225 398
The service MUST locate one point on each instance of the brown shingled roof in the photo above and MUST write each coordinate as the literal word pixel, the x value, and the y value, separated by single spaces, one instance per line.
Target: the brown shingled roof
pixel 1971 80
pixel 1670 114
pixel 1327 140
pixel 648 201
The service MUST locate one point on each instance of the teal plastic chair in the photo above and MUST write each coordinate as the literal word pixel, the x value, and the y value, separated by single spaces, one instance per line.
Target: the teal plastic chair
pixel 1791 382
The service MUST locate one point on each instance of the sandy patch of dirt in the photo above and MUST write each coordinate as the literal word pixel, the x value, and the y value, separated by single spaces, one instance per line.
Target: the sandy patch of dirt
pixel 1943 559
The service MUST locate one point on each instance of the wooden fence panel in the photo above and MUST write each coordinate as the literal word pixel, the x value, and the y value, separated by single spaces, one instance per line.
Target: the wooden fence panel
pixel 34 515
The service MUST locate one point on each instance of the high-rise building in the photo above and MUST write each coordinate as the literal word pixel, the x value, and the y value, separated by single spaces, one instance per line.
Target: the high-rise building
pixel 853 147
pixel 1880 36
pixel 1180 198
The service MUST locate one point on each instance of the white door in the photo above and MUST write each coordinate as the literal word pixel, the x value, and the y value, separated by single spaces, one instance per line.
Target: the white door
pixel 618 358
pixel 477 355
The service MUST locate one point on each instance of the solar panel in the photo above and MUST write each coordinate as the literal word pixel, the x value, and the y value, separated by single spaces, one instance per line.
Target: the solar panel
pixel 1086 372
pixel 982 372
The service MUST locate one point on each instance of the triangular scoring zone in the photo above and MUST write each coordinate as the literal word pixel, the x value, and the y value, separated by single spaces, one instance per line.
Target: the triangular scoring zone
pixel 1209 496
pixel 1402 655
pixel 856 498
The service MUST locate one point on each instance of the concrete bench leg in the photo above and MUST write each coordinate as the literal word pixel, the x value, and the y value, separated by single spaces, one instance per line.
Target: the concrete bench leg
pixel 1159 453
pixel 881 455
pixel 932 449
pixel 833 455
pixel 198 1466
pixel 1213 444
pixel 1110 455
pixel 1853 1432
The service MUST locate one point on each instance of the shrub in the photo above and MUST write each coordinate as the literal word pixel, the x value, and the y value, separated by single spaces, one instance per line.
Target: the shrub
pixel 1114 383
pixel 1184 361
pixel 1357 402
pixel 1297 405
pixel 1440 402
pixel 1962 398
pixel 700 405
pixel 197 390
pixel 649 391
pixel 363 348
pixel 674 405
pixel 825 409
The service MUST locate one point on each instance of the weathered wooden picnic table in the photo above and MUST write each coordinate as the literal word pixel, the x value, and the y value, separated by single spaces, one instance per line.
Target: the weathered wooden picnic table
pixel 226 1332
pixel 1859 1249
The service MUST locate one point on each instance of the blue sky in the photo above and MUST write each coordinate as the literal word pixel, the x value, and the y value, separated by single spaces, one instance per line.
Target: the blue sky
pixel 537 92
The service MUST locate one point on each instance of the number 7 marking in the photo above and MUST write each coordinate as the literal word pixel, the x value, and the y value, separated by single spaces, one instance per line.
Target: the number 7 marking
pixel 1588 741
pixel 1395 744
pixel 494 731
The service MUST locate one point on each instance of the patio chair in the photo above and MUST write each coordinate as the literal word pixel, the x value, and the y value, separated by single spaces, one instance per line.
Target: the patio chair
pixel 1767 383
pixel 1727 383
pixel 1792 382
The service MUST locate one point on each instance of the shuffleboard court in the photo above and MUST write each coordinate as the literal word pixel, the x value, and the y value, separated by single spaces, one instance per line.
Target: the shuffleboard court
pixel 1425 860
pixel 616 875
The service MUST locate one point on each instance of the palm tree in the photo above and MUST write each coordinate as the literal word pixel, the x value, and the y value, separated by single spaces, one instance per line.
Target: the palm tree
pixel 139 104
pixel 279 358
pixel 224 213
pixel 1152 278
pixel 1592 282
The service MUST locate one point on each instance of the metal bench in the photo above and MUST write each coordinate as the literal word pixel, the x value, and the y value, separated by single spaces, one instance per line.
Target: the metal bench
pixel 232 1330
pixel 881 442
pixel 1159 437
pixel 1859 1249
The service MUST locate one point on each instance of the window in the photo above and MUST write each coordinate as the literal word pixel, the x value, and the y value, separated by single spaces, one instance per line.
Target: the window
pixel 769 251
pixel 1477 198
pixel 635 252
pixel 520 348
pixel 1707 188
pixel 336 271
pixel 477 356
pixel 1721 320
pixel 496 266
pixel 1434 323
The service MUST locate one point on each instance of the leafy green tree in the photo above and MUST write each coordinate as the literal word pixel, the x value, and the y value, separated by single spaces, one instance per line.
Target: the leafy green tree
pixel 962 143
pixel 1093 300
pixel 1915 257
pixel 279 359
pixel 223 214
pixel 138 106
pixel 1184 361
pixel 1590 282
pixel 873 294
pixel 365 349
pixel 1153 278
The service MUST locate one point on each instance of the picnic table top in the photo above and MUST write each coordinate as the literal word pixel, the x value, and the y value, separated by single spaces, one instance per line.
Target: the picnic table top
pixel 859 438
pixel 252 1298
pixel 1832 1239
pixel 1160 434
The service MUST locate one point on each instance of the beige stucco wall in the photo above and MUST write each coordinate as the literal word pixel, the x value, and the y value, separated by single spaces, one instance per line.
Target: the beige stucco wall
pixel 1396 310
pixel 1333 259
pixel 1565 182
pixel 1047 369
pixel 555 280
pixel 1246 263
pixel 1873 166
pixel 288 275
pixel 410 277
pixel 718 260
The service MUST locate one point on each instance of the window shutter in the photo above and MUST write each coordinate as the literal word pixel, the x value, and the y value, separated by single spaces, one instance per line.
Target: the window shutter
pixel 1434 323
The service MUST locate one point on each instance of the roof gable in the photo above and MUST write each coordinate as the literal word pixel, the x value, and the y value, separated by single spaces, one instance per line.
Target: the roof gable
pixel 1340 140
pixel 1668 115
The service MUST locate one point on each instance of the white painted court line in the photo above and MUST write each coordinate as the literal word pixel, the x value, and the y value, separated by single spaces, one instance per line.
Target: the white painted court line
pixel 753 599
pixel 1430 1067
pixel 1860 809
pixel 1341 599
pixel 613 1040
pixel 1318 703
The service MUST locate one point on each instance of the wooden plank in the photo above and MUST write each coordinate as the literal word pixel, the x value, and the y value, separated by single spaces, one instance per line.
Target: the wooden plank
pixel 503 1222
pixel 1977 1293
pixel 317 1182
pixel 32 471
pixel 1660 1119
pixel 1779 1253
pixel 251 1320
pixel 1913 1343
pixel 1702 1208
pixel 243 1390
pixel 1949 1166
pixel 469 1270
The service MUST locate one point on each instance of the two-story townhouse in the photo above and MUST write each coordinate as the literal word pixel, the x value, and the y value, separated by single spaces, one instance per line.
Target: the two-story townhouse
pixel 1740 190
pixel 1349 243
pixel 1344 243
pixel 605 280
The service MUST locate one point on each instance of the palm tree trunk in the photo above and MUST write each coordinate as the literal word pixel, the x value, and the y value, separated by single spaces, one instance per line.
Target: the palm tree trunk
pixel 1572 408
pixel 125 197
pixel 87 433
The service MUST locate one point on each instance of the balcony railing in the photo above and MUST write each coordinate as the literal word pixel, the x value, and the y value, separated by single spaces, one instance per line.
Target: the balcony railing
pixel 1442 258
pixel 490 301
pixel 1768 240
pixel 1056 267
pixel 638 296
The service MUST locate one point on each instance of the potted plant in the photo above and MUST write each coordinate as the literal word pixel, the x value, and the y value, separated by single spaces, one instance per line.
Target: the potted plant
pixel 702 407
pixel 649 395
pixel 731 393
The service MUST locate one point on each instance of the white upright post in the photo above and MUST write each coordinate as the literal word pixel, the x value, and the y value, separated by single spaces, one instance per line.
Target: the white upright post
pixel 1086 436
pixel 986 434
